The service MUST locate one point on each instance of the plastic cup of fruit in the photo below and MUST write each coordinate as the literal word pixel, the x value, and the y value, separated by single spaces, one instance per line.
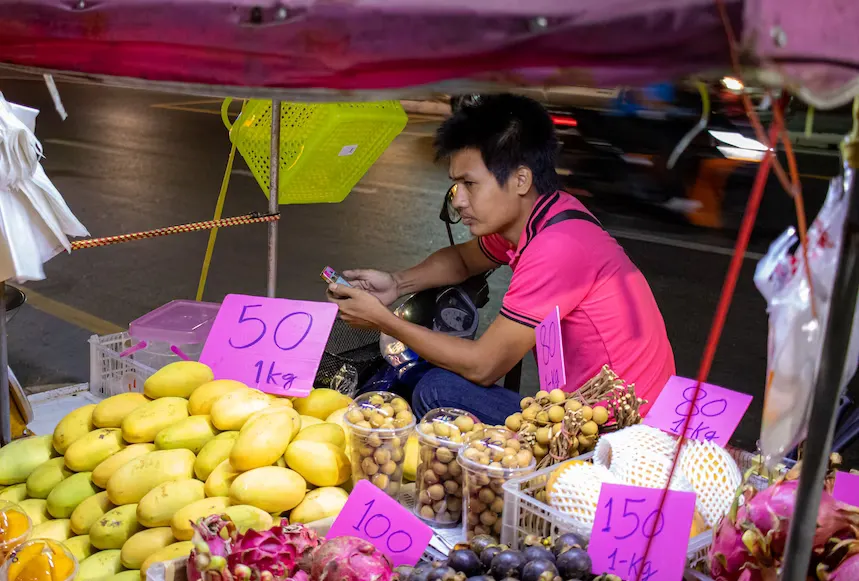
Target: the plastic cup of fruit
pixel 40 559
pixel 15 527
pixel 441 433
pixel 489 459
pixel 379 424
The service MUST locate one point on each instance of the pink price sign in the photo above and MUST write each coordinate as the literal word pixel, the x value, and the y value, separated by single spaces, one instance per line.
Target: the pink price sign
pixel 627 518
pixel 846 488
pixel 550 352
pixel 716 411
pixel 274 345
pixel 372 515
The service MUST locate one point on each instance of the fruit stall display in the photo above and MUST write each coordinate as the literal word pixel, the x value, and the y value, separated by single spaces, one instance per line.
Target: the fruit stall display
pixel 120 482
pixel 560 425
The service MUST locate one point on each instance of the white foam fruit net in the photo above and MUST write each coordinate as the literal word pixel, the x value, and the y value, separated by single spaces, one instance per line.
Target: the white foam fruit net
pixel 714 475
pixel 635 439
pixel 575 491
pixel 646 469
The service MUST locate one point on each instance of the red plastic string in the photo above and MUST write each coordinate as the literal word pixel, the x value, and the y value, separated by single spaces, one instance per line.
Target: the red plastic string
pixel 725 300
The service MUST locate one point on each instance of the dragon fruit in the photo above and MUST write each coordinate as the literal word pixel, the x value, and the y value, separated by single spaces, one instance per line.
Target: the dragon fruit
pixel 222 554
pixel 349 559
pixel 749 542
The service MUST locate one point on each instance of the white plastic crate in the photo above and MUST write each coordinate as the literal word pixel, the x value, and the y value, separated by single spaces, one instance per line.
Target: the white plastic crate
pixel 525 515
pixel 110 374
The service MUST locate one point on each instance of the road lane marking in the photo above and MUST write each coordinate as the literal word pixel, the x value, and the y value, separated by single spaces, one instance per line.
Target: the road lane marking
pixel 69 314
pixel 80 145
pixel 676 243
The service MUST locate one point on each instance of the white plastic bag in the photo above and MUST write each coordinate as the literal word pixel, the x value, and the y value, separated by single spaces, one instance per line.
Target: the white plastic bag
pixel 795 334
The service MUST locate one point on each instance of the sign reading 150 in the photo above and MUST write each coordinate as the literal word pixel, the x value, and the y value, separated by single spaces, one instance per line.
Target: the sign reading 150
pixel 285 338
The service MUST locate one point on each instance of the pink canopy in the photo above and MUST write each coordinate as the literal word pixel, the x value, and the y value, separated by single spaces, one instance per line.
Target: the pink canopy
pixel 244 47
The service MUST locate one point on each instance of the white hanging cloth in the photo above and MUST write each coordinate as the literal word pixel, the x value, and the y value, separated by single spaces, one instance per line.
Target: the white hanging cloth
pixel 35 221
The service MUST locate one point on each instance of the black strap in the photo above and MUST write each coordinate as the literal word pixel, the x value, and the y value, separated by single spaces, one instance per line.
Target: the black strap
pixel 563 216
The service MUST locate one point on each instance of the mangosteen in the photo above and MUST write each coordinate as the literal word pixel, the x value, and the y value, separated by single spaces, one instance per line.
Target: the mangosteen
pixel 443 573
pixel 421 572
pixel 507 564
pixel 539 570
pixel 481 578
pixel 480 542
pixel 566 542
pixel 404 572
pixel 465 561
pixel 488 554
pixel 574 563
pixel 538 552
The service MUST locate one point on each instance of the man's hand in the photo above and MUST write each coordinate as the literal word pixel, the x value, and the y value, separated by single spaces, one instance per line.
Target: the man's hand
pixel 381 285
pixel 358 308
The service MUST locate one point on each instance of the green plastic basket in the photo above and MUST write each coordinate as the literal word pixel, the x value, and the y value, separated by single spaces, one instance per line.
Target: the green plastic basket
pixel 325 148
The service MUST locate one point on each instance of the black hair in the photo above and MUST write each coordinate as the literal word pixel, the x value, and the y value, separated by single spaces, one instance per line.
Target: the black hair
pixel 509 131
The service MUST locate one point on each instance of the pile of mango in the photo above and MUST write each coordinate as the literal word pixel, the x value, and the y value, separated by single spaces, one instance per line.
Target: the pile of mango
pixel 119 482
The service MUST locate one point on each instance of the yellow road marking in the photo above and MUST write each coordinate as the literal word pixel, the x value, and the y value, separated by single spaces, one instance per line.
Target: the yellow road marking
pixel 815 177
pixel 70 314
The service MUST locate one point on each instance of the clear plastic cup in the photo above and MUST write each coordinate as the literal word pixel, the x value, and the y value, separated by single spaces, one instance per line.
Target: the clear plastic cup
pixel 379 425
pixel 491 457
pixel 15 527
pixel 441 433
pixel 40 558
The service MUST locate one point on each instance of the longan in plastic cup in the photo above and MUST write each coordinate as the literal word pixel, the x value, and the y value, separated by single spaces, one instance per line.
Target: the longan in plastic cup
pixel 441 433
pixel 379 424
pixel 15 527
pixel 40 560
pixel 491 457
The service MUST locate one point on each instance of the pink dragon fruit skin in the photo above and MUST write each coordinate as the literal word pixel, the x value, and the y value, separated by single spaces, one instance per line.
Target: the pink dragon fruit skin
pixel 848 570
pixel 273 554
pixel 349 559
pixel 212 540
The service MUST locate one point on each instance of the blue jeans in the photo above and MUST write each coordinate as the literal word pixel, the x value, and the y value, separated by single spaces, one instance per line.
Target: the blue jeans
pixel 442 388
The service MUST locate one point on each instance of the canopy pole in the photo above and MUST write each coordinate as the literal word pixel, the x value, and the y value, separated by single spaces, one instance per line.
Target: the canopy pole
pixel 827 389
pixel 5 409
pixel 274 166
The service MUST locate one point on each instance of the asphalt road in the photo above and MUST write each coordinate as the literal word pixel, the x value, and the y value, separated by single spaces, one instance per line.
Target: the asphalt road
pixel 128 161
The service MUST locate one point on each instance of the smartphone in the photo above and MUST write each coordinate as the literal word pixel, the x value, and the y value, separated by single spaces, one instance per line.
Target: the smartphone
pixel 330 275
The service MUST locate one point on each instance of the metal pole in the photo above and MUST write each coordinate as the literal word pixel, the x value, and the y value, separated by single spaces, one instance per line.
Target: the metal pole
pixel 5 410
pixel 274 166
pixel 827 389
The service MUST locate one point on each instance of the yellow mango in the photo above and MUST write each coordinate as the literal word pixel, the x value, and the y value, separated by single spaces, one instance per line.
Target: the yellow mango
pixel 325 432
pixel 91 450
pixel 280 462
pixel 270 488
pixel 36 509
pixel 168 553
pixel 320 503
pixel 178 379
pixel 76 424
pixel 307 421
pixel 15 493
pixel 319 463
pixel 231 410
pixel 107 467
pixel 162 502
pixel 133 480
pixel 247 517
pixel 58 530
pixel 115 527
pixel 338 417
pixel 192 433
pixel 89 512
pixel 68 494
pixel 144 423
pixel 200 402
pixel 47 475
pixel 131 575
pixel 213 453
pixel 181 521
pixel 80 547
pixel 219 481
pixel 136 550
pixel 100 566
pixel 321 403
pixel 280 401
pixel 263 439
pixel 412 457
pixel 19 458
pixel 110 412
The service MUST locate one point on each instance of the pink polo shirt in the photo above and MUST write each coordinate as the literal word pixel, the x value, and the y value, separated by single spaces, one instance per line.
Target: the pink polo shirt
pixel 608 313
